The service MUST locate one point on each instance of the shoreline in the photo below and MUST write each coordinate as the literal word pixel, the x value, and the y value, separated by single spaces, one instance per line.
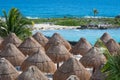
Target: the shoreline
pixel 49 26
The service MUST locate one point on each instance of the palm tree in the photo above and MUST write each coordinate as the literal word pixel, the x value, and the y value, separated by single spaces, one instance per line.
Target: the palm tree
pixel 95 12
pixel 112 68
pixel 15 23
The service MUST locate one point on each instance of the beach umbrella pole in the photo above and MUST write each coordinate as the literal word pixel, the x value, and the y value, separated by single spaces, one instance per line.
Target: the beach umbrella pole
pixel 57 65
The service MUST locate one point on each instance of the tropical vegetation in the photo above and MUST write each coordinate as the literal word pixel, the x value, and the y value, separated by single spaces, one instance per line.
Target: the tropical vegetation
pixel 112 68
pixel 95 12
pixel 72 21
pixel 14 22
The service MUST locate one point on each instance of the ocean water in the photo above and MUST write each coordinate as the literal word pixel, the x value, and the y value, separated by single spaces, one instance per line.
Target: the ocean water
pixel 61 8
pixel 91 35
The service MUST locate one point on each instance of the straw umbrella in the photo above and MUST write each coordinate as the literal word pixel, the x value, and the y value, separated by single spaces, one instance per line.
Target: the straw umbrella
pixel 105 37
pixel 113 47
pixel 58 53
pixel 99 44
pixel 7 71
pixel 29 46
pixel 93 58
pixel 71 67
pixel 12 54
pixel 98 75
pixel 41 60
pixel 11 38
pixel 57 37
pixel 32 73
pixel 40 38
pixel 81 47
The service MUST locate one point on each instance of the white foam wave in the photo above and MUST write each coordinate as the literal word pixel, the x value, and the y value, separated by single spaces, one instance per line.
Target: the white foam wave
pixel 97 17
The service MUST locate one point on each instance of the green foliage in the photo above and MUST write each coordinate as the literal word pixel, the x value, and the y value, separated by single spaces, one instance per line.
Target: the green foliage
pixel 15 23
pixel 95 12
pixel 68 23
pixel 79 21
pixel 103 48
pixel 112 68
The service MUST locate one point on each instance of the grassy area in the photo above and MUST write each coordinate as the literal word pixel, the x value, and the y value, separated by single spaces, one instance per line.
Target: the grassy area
pixel 79 21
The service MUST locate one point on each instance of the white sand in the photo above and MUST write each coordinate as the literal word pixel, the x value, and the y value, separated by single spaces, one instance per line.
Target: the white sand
pixel 51 26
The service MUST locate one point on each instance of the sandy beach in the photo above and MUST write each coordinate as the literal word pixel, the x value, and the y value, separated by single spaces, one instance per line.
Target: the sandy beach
pixel 48 26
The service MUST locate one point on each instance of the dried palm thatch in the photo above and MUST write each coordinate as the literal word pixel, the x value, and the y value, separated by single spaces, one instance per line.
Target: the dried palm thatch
pixel 93 58
pixel 113 47
pixel 32 73
pixel 29 46
pixel 12 54
pixel 7 71
pixel 58 52
pixel 99 44
pixel 1 40
pixel 81 47
pixel 98 75
pixel 71 67
pixel 40 38
pixel 57 37
pixel 41 60
pixel 11 38
pixel 105 37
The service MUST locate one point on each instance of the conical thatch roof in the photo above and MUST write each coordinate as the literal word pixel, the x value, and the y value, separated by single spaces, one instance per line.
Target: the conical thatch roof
pixel 71 67
pixel 29 46
pixel 81 47
pixel 58 52
pixel 12 54
pixel 105 37
pixel 113 47
pixel 99 44
pixel 7 71
pixel 41 60
pixel 98 75
pixel 32 73
pixel 40 38
pixel 93 58
pixel 11 38
pixel 1 40
pixel 57 37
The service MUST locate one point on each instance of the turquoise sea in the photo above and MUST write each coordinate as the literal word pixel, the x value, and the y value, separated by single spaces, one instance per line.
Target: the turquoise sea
pixel 68 8
pixel 61 8
pixel 90 34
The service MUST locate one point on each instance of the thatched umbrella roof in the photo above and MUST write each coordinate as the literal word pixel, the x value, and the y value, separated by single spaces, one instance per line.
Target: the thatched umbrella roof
pixel 93 58
pixel 81 47
pixel 29 46
pixel 40 38
pixel 99 44
pixel 105 37
pixel 32 73
pixel 58 52
pixel 57 37
pixel 41 60
pixel 7 71
pixel 11 38
pixel 12 54
pixel 98 75
pixel 71 67
pixel 113 47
